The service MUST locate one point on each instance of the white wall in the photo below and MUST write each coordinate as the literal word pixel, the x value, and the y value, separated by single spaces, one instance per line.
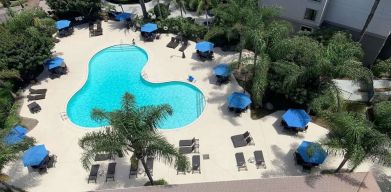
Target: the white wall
pixel 353 13
pixel 295 9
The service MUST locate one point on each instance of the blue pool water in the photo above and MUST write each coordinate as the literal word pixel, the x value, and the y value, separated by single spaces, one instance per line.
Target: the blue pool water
pixel 116 70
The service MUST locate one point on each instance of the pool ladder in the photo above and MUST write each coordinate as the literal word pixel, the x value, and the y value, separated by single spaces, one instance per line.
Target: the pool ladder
pixel 200 103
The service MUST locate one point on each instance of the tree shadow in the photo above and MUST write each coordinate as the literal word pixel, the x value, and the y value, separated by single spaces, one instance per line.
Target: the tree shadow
pixel 383 180
pixel 21 178
pixel 284 164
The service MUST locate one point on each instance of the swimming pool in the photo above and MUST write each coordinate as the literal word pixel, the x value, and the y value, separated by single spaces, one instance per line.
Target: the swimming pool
pixel 116 70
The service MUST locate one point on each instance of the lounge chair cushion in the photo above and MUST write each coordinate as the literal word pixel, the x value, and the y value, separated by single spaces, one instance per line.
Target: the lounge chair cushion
pixel 110 171
pixel 93 172
pixel 187 149
pixel 240 161
pixel 196 163
pixel 259 160
pixel 238 141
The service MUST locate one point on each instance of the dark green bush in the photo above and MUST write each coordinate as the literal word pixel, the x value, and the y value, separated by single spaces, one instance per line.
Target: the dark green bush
pixel 188 29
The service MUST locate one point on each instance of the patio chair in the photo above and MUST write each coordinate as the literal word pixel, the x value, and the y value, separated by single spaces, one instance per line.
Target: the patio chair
pixel 133 169
pixel 111 171
pixel 195 161
pixel 259 160
pixel 171 43
pixel 150 164
pixel 185 44
pixel 34 107
pixel 189 149
pixel 52 161
pixel 242 140
pixel 37 91
pixel 35 97
pixel 188 142
pixel 240 161
pixel 93 173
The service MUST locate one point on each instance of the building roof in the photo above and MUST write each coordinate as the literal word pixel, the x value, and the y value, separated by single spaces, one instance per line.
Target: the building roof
pixel 347 182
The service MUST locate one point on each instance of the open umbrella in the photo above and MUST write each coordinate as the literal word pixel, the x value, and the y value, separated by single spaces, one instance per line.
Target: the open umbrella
pixel 311 152
pixel 123 16
pixel 34 155
pixel 238 100
pixel 221 70
pixel 55 62
pixel 16 135
pixel 62 24
pixel 149 27
pixel 296 118
pixel 204 46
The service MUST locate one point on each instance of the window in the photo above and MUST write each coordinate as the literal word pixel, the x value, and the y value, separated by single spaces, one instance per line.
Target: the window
pixel 310 14
pixel 306 28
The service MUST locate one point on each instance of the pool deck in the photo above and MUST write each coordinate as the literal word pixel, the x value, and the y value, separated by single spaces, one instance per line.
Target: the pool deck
pixel 214 127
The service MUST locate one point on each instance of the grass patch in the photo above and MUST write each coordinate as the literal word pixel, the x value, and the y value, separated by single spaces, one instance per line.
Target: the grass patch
pixel 157 182
pixel 358 107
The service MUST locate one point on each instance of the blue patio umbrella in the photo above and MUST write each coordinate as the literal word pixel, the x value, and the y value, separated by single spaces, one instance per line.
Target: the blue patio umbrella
pixel 16 135
pixel 204 46
pixel 123 16
pixel 311 152
pixel 62 24
pixel 238 100
pixel 35 155
pixel 55 62
pixel 221 70
pixel 297 118
pixel 149 27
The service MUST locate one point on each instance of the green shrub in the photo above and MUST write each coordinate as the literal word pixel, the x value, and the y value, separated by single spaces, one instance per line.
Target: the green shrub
pixel 382 69
pixel 180 25
pixel 158 182
pixel 163 9
pixel 6 102
pixel 128 1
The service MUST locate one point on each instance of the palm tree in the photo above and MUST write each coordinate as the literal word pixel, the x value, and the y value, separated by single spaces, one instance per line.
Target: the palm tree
pixel 143 9
pixel 180 4
pixel 10 153
pixel 353 137
pixel 132 130
pixel 369 19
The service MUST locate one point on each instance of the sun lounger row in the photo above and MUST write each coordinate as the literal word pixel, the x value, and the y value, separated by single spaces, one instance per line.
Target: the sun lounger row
pixel 110 173
pixel 242 140
pixel 175 41
pixel 134 167
pixel 258 159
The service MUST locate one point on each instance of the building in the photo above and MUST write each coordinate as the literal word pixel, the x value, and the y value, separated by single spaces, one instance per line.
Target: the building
pixel 347 182
pixel 349 15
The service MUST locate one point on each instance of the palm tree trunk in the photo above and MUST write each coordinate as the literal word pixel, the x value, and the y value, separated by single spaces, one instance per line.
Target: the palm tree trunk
pixel 345 159
pixel 144 9
pixel 160 11
pixel 369 19
pixel 240 58
pixel 147 170
pixel 11 187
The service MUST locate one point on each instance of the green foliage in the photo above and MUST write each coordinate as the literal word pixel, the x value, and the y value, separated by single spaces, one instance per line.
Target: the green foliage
pixel 188 29
pixel 327 103
pixel 127 1
pixel 201 5
pixel 6 102
pixel 158 182
pixel 382 69
pixel 132 129
pixel 353 136
pixel 69 9
pixel 260 81
pixel 163 9
pixel 26 43
pixel 382 117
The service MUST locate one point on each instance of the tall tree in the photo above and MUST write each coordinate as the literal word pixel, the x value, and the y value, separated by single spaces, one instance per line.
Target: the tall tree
pixel 143 9
pixel 180 4
pixel 353 137
pixel 133 130
pixel 369 19
pixel 69 9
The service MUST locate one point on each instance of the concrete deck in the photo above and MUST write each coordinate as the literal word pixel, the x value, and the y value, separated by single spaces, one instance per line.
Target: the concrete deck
pixel 214 127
